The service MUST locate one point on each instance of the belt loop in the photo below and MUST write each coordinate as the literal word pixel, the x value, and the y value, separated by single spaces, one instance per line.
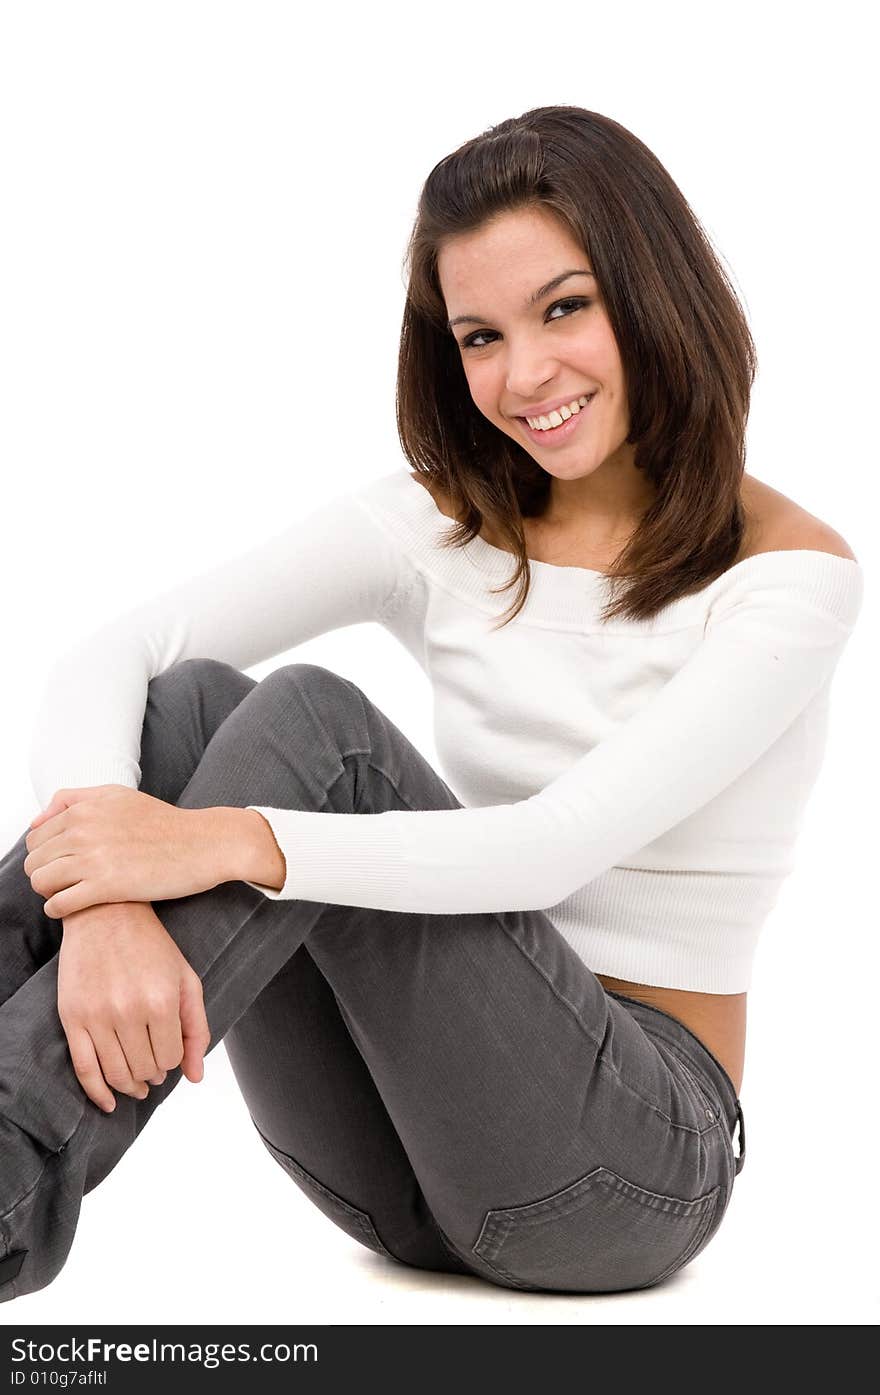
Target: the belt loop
pixel 742 1139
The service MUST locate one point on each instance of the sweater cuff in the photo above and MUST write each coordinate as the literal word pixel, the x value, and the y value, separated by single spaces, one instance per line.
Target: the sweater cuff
pixel 340 859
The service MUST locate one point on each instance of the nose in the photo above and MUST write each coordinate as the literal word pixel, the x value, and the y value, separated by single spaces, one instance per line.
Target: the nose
pixel 526 386
pixel 528 373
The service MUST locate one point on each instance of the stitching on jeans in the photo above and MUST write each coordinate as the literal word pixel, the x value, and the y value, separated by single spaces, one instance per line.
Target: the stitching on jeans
pixel 695 1242
pixel 678 1263
pixel 511 1280
pixel 711 1095
pixel 447 1245
pixel 51 1154
pixel 356 1214
pixel 7 1215
pixel 664 1029
pixel 693 1069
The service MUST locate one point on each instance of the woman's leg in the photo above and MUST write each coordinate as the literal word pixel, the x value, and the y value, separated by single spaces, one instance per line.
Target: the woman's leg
pixel 316 1107
pixel 302 1076
pixel 558 1143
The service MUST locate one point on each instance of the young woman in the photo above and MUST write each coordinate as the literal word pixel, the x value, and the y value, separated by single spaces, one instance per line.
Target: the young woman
pixel 498 1026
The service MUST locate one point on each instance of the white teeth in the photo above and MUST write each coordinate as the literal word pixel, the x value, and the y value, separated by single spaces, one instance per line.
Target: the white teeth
pixel 558 416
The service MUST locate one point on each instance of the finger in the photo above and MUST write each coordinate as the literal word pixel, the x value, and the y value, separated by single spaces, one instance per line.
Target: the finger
pixel 65 903
pixel 73 898
pixel 194 1025
pixel 87 1069
pixel 166 1038
pixel 45 848
pixel 138 1053
pixel 114 1065
pixel 51 825
pixel 52 876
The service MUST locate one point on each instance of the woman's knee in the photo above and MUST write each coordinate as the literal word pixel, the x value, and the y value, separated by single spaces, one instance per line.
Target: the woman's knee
pixel 318 683
pixel 195 697
pixel 335 704
pixel 185 707
pixel 198 674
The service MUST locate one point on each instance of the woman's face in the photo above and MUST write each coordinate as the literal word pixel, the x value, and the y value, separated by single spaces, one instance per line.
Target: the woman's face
pixel 519 355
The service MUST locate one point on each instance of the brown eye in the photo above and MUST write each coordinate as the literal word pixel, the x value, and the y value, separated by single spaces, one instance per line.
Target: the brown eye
pixel 573 302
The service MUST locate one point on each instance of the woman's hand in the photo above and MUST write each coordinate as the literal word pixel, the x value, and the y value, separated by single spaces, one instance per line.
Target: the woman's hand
pixel 130 1004
pixel 113 843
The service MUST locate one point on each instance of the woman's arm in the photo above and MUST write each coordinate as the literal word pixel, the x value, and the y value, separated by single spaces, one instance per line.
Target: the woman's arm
pixel 770 646
pixel 333 567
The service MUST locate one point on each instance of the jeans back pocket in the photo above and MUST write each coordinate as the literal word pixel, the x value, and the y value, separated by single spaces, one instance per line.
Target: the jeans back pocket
pixel 598 1235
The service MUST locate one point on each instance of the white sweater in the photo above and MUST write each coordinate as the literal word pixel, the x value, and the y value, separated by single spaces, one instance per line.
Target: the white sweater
pixel 642 782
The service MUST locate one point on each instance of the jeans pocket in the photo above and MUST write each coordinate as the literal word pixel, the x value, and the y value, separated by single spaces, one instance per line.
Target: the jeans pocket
pixel 598 1235
pixel 48 1118
pixel 714 1110
pixel 355 1222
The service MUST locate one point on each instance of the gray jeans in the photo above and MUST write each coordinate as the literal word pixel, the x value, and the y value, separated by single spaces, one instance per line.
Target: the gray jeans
pixel 455 1092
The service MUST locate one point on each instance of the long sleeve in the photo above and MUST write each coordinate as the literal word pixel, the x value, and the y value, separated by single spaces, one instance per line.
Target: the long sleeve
pixel 771 642
pixel 330 568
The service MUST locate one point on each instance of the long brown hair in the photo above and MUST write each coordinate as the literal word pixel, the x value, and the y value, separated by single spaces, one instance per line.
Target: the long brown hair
pixel 688 357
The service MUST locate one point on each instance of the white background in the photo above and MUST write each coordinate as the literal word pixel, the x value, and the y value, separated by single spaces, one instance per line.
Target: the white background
pixel 205 209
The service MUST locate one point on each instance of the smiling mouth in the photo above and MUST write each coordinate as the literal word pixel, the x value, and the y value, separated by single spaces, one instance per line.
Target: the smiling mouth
pixel 560 433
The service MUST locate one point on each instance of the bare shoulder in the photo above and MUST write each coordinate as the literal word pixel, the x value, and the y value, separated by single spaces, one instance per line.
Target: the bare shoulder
pixel 777 524
pixel 810 532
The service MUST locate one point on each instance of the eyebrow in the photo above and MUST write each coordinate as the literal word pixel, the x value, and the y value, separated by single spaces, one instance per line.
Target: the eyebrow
pixel 532 300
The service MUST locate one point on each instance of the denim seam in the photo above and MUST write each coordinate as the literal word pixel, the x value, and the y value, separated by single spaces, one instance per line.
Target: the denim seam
pixel 710 1094
pixel 500 1226
pixel 669 1024
pixel 683 1259
pixel 453 1253
pixel 359 1217
pixel 50 1154
pixel 8 1214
